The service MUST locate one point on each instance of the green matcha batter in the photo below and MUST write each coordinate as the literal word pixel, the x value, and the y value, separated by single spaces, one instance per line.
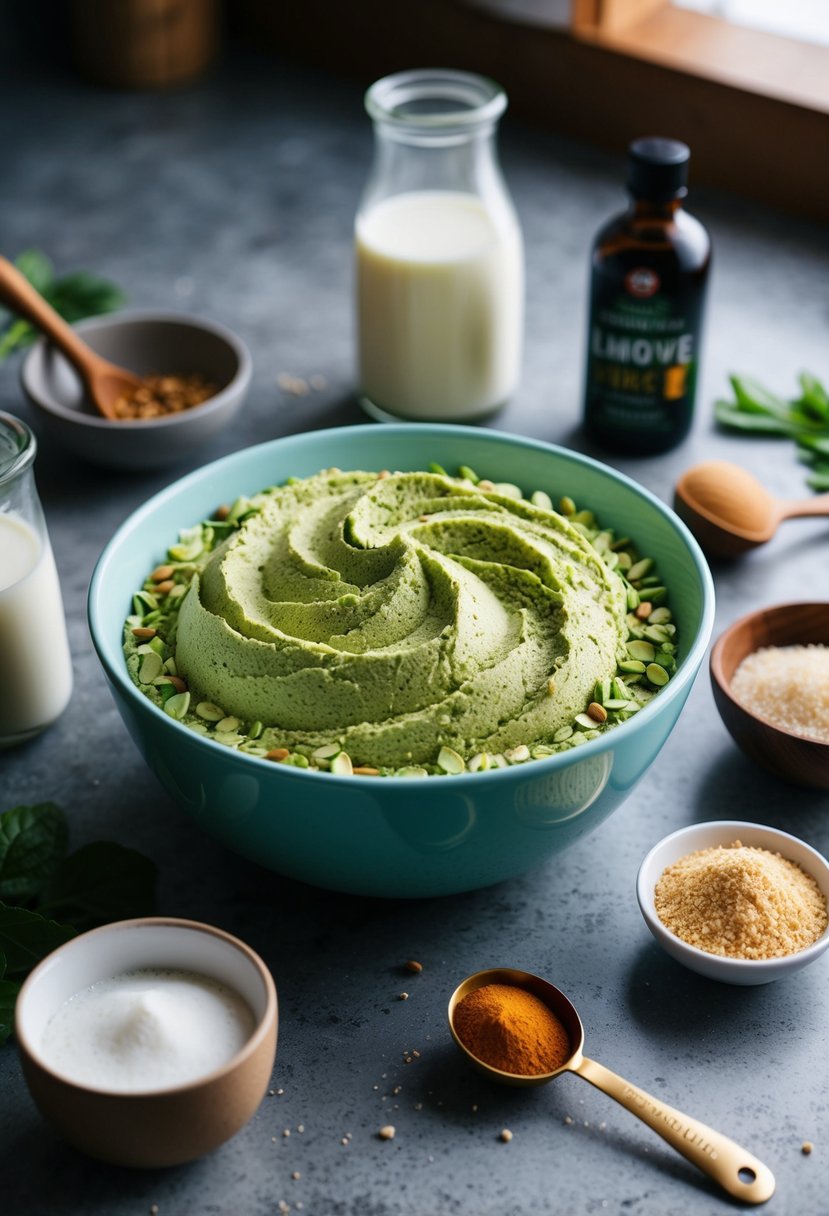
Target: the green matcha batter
pixel 395 615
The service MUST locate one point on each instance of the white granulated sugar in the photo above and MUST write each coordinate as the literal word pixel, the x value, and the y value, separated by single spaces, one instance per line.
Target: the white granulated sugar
pixel 789 686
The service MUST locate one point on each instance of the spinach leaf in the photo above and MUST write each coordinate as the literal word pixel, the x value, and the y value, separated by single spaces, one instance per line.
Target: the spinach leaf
pixel 74 296
pixel 102 882
pixel 8 995
pixel 26 937
pixel 32 844
pixel 757 411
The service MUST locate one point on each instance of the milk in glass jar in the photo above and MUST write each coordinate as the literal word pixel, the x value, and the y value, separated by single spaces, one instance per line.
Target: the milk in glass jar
pixel 36 668
pixel 439 254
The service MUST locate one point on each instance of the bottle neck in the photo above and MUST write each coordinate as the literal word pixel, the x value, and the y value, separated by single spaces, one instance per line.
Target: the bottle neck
pixel 647 209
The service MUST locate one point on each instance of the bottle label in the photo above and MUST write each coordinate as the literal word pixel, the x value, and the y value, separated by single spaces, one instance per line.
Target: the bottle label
pixel 642 354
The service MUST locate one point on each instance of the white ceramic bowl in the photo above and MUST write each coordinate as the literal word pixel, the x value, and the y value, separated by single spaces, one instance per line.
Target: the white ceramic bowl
pixel 709 835
pixel 156 1127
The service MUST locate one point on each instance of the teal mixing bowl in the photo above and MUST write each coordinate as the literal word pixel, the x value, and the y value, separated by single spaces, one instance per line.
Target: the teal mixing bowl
pixel 402 836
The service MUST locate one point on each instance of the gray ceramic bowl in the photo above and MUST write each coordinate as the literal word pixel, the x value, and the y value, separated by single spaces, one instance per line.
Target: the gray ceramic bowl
pixel 146 343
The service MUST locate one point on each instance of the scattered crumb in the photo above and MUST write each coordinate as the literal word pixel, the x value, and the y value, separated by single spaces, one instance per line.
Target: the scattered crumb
pixel 806 1147
pixel 397 1090
pixel 568 1119
pixel 506 1135
pixel 154 1209
pixel 413 965
pixel 283 1207
pixel 279 1093
pixel 300 1128
pixel 295 385
pixel 386 1133
pixel 474 1106
pixel 344 1140
pixel 271 1093
pixel 418 1106
pixel 296 1175
pixel 404 996
pixel 287 1132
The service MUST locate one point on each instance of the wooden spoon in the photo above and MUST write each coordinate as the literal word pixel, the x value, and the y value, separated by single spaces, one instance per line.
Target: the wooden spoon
pixel 104 381
pixel 730 512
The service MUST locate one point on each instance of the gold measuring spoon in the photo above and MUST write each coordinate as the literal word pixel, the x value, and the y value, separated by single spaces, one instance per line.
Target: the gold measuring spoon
pixel 735 1169
pixel 105 382
pixel 730 512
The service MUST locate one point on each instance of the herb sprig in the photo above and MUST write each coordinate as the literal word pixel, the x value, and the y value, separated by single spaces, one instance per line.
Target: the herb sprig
pixel 47 896
pixel 758 411
pixel 74 296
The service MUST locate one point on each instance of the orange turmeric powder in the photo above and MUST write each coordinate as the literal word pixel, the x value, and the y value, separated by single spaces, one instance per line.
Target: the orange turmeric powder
pixel 511 1029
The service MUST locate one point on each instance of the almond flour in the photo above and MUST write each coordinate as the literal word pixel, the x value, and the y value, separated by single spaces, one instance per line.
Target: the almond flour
pixel 741 902
pixel 789 686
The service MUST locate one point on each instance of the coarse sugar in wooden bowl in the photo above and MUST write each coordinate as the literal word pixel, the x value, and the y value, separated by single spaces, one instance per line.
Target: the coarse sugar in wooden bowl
pixel 788 739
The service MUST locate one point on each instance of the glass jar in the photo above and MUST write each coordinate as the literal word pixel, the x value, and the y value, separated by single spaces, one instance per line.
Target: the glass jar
pixel 35 662
pixel 439 254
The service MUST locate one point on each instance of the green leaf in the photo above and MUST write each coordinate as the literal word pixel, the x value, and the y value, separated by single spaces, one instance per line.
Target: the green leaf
pixel 82 295
pixel 8 995
pixel 32 844
pixel 819 479
pixel 729 415
pixel 19 333
pixel 26 937
pixel 102 882
pixel 815 443
pixel 755 399
pixel 814 400
pixel 37 268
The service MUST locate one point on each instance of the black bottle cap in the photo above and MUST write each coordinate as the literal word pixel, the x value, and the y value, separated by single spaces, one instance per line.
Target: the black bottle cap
pixel 658 168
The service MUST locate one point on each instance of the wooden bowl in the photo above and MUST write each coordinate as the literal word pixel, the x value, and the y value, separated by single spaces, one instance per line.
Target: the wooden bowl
pixel 788 755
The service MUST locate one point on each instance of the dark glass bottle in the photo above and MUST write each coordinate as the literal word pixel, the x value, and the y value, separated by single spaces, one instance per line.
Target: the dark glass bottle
pixel 647 296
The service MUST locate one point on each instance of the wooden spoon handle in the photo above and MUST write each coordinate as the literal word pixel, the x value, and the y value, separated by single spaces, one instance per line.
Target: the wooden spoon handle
pixel 798 508
pixel 17 293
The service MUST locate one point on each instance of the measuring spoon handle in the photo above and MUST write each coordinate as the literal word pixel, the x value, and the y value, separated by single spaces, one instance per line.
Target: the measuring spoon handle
pixel 17 293
pixel 735 1169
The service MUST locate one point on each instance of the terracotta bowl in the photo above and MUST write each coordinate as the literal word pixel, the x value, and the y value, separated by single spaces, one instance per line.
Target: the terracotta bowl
pixel 791 756
pixel 160 1127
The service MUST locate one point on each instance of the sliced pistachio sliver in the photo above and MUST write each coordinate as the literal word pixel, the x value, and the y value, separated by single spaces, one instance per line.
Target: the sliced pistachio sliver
pixel 616 703
pixel 623 561
pixel 170 667
pixel 341 765
pixel 327 752
pixel 250 749
pixel 587 518
pixel 632 665
pixel 644 651
pixel 157 644
pixel 540 498
pixel 177 591
pixel 584 722
pixel 666 660
pixel 633 597
pixel 517 755
pixel 144 602
pixel 566 505
pixel 134 620
pixel 470 474
pixel 640 569
pixel 198 728
pixel 507 490
pixel 603 541
pixel 541 751
pixel 660 616
pixel 190 544
pixel 209 711
pixel 411 770
pixel 255 730
pixel 564 732
pixel 479 763
pixel 228 725
pixel 657 674
pixel 229 738
pixel 656 633
pixel 151 666
pixel 618 689
pixel 450 761
pixel 178 705
pixel 496 760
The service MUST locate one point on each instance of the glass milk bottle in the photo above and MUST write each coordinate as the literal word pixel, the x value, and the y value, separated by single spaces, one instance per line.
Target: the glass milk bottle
pixel 439 255
pixel 36 679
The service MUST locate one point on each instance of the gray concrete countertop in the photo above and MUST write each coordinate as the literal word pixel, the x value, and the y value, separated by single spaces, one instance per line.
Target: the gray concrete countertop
pixel 235 199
